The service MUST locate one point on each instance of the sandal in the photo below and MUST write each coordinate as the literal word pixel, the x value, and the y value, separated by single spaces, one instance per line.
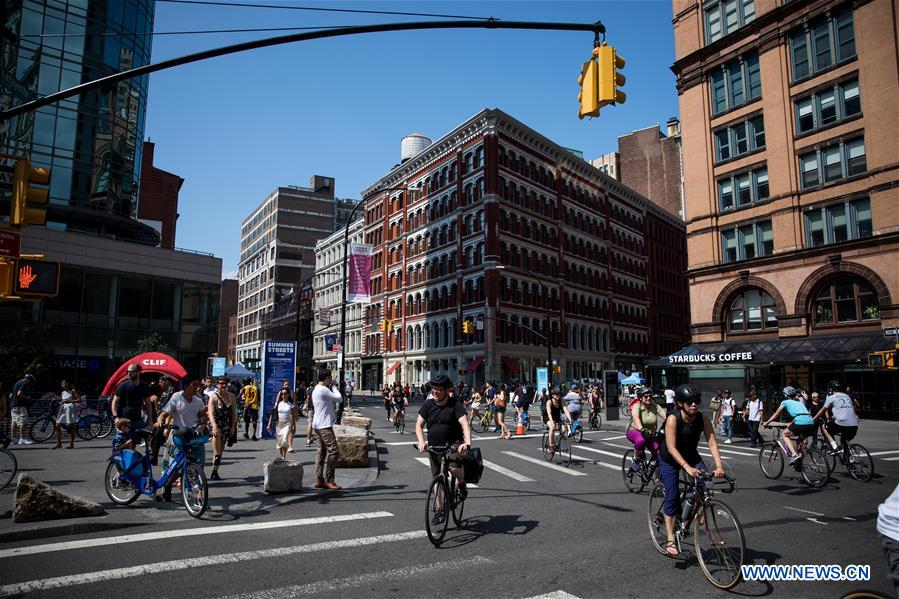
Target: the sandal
pixel 671 545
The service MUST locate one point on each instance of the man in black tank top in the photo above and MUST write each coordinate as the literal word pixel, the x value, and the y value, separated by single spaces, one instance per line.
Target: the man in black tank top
pixel 683 429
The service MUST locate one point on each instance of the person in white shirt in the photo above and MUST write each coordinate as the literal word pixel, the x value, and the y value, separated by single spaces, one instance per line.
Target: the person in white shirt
pixel 726 416
pixel 888 532
pixel 186 410
pixel 753 414
pixel 669 399
pixel 324 398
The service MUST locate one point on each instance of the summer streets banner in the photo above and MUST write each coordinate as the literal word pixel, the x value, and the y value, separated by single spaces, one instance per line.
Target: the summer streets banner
pixel 360 274
pixel 279 364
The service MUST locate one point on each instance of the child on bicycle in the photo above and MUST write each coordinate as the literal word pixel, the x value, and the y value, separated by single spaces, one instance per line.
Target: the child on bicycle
pixel 122 438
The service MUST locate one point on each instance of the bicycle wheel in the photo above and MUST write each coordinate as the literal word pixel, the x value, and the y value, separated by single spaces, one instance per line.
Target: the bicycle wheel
pixel 8 467
pixel 598 420
pixel 633 479
pixel 547 453
pixel 564 449
pixel 859 463
pixel 458 503
pixel 824 447
pixel 720 544
pixel 437 512
pixel 120 491
pixel 730 477
pixel 42 429
pixel 105 426
pixel 579 434
pixel 624 409
pixel 815 469
pixel 194 490
pixel 87 427
pixel 656 518
pixel 771 460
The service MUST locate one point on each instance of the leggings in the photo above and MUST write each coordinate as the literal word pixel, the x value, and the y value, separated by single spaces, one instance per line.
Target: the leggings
pixel 640 442
pixel 668 473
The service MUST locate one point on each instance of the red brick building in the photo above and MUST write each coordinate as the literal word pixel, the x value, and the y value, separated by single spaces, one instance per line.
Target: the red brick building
pixel 497 225
pixel 228 309
pixel 159 190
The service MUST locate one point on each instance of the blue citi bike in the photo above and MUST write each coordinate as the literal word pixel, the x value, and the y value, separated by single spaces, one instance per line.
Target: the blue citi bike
pixel 130 473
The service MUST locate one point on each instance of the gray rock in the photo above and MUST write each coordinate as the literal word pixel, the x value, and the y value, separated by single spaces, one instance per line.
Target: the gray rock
pixel 357 421
pixel 37 501
pixel 282 476
pixel 353 444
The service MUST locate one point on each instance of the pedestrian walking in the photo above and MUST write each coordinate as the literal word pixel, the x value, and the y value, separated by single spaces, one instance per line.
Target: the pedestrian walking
pixel 753 415
pixel 251 408
pixel 68 414
pixel 324 398
pixel 725 416
pixel 19 402
pixel 286 421
pixel 222 412
pixel 500 402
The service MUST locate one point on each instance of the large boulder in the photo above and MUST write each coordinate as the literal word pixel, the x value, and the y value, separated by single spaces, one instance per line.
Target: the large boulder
pixel 357 421
pixel 37 501
pixel 282 476
pixel 353 444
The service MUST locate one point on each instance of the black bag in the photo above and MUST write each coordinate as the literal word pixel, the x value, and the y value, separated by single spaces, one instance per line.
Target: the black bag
pixel 473 465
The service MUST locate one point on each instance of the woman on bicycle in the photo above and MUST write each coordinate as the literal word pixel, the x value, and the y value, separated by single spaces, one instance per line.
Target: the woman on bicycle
pixel 802 425
pixel 646 418
pixel 555 407
pixel 475 405
pixel 594 400
pixel 68 414
pixel 683 429
pixel 399 406
pixel 573 399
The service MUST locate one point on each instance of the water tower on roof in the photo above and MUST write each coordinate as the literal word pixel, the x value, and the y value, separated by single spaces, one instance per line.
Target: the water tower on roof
pixel 412 144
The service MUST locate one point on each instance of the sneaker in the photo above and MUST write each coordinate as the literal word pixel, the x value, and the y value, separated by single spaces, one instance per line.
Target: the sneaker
pixel 215 476
pixel 254 438
pixel 26 442
pixel 437 519
pixel 635 466
pixel 308 443
pixel 727 441
pixel 834 451
pixel 795 458
pixel 463 491
pixel 291 450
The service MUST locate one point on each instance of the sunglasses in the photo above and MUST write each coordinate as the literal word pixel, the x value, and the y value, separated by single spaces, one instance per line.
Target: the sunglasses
pixel 690 402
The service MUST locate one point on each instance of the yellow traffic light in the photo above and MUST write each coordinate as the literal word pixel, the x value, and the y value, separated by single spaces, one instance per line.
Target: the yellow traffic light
pixel 589 82
pixel 25 197
pixel 609 77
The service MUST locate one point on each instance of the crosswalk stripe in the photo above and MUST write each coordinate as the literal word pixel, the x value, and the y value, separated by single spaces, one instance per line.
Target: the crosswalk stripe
pixel 608 453
pixel 187 532
pixel 544 463
pixel 893 459
pixel 709 455
pixel 427 463
pixel 596 462
pixel 617 445
pixel 555 595
pixel 885 452
pixel 741 453
pixel 510 473
pixel 613 438
pixel 99 576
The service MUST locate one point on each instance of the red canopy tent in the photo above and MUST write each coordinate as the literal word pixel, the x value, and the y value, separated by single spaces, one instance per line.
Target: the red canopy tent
pixel 149 362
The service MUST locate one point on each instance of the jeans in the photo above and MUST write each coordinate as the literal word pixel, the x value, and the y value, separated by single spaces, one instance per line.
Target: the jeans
pixel 668 474
pixel 727 428
pixel 754 437
pixel 325 455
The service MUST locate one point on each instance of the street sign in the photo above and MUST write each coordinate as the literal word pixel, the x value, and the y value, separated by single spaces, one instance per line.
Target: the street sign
pixel 891 332
pixel 218 366
pixel 10 243
pixel 36 277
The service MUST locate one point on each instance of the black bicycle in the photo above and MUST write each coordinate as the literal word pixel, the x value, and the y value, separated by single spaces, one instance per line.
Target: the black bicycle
pixel 595 420
pixel 854 457
pixel 445 496
pixel 637 470
pixel 399 421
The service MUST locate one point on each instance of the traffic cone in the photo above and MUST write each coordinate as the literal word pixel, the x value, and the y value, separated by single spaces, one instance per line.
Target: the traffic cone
pixel 519 430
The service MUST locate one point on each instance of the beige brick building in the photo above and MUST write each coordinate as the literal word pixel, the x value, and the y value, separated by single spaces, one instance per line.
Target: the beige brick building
pixel 790 132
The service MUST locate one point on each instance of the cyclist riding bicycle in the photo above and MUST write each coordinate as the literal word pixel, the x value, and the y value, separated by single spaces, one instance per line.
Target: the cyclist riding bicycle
pixel 399 405
pixel 447 424
pixel 646 418
pixel 594 400
pixel 573 399
pixel 843 419
pixel 554 409
pixel 802 424
pixel 683 428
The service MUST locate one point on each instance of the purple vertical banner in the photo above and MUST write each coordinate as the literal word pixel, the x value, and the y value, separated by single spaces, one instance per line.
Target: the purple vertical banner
pixel 279 363
pixel 359 291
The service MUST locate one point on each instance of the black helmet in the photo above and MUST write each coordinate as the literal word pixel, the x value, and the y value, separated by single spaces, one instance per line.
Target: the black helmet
pixel 442 381
pixel 685 392
pixel 555 391
pixel 835 385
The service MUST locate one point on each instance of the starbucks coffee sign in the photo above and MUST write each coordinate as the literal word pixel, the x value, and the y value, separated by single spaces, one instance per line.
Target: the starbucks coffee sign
pixel 725 358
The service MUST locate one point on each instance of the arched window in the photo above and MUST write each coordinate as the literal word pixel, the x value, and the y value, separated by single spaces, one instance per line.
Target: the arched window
pixel 845 299
pixel 445 335
pixel 752 310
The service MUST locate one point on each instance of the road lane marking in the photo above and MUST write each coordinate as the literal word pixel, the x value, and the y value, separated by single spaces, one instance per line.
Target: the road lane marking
pixel 510 473
pixel 709 455
pixel 613 438
pixel 427 463
pixel 816 521
pixel 555 595
pixel 796 509
pixel 544 463
pixel 596 462
pixel 20 588
pixel 885 452
pixel 187 532
pixel 617 445
pixel 617 456
pixel 890 459
pixel 739 453
pixel 373 578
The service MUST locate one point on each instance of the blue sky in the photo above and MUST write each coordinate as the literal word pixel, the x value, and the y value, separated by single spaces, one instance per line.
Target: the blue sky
pixel 237 127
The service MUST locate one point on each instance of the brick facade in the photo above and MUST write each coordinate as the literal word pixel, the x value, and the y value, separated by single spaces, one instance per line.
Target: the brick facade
pixel 159 196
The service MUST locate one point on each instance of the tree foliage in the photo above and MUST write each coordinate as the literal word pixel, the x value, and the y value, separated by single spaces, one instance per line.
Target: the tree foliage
pixel 154 342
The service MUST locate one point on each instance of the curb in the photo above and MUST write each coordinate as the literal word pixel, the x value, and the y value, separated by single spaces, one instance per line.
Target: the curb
pixel 65 529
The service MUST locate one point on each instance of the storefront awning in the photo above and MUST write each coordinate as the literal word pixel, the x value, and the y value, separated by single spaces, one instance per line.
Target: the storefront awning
pixel 511 364
pixel 838 349
pixel 473 365
pixel 393 368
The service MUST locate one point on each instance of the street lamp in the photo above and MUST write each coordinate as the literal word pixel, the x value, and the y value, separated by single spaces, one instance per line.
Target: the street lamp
pixel 341 354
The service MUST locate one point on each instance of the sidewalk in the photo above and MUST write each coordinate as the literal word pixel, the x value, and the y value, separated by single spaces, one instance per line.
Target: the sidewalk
pixel 80 472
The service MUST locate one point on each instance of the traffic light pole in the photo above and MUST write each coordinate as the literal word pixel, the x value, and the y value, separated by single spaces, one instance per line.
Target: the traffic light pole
pixel 342 353
pixel 490 23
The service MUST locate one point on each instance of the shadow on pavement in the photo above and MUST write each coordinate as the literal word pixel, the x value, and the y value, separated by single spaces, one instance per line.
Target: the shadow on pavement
pixel 474 528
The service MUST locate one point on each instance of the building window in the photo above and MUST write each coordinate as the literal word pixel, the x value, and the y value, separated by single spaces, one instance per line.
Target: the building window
pixel 742 138
pixel 736 83
pixel 838 222
pixel 845 299
pixel 753 310
pixel 831 163
pixel 723 17
pixel 828 106
pixel 747 242
pixel 822 43
pixel 743 189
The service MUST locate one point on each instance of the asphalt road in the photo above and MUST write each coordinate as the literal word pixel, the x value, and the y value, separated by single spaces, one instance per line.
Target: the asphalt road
pixel 529 530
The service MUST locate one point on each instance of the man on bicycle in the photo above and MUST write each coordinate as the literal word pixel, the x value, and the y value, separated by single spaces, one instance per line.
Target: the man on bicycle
pixel 843 419
pixel 573 400
pixel 802 424
pixel 399 405
pixel 554 409
pixel 683 428
pixel 447 425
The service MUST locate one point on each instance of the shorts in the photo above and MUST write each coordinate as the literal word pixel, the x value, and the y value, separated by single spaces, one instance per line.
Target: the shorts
pixel 803 430
pixel 847 433
pixel 455 459
pixel 556 415
pixel 575 414
pixel 251 415
pixel 19 416
pixel 496 410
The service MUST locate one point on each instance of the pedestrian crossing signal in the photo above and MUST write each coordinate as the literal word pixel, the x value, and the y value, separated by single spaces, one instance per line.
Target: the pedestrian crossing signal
pixel 882 359
pixel 36 277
